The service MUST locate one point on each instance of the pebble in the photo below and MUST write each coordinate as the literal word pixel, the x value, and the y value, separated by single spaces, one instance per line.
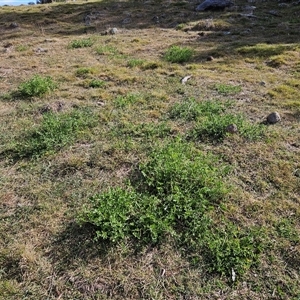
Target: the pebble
pixel 232 128
pixel 273 117
pixel 13 25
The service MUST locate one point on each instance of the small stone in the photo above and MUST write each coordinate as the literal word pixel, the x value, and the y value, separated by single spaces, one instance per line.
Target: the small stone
pixel 209 58
pixel 262 83
pixel 297 172
pixel 232 128
pixel 40 50
pixel 113 31
pixel 45 109
pixel 13 25
pixel 273 118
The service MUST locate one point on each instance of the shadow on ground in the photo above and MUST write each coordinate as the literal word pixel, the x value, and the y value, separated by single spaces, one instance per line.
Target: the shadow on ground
pixel 268 26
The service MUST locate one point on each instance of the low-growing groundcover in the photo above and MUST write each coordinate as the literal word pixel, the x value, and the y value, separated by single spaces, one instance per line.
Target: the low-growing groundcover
pixel 36 86
pixel 53 133
pixel 172 196
pixel 211 120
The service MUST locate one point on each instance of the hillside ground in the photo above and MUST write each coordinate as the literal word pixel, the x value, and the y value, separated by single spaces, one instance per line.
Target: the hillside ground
pixel 92 100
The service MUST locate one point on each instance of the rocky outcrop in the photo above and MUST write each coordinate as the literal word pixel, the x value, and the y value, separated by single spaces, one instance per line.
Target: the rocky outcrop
pixel 214 5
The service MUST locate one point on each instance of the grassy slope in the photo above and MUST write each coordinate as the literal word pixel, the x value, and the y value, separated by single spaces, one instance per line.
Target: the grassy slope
pixel 43 253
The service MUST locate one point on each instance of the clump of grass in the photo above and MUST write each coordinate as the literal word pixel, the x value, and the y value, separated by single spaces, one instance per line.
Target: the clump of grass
pixel 132 63
pixel 54 132
pixel 36 86
pixel 123 101
pixel 84 72
pixel 96 83
pixel 81 43
pixel 230 249
pixel 22 48
pixel 106 50
pixel 190 109
pixel 227 89
pixel 177 184
pixel 214 128
pixel 264 50
pixel 212 120
pixel 176 189
pixel 148 130
pixel 177 54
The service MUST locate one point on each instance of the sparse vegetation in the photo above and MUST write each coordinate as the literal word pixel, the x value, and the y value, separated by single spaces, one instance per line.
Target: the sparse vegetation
pixel 227 89
pixel 96 83
pixel 121 181
pixel 36 86
pixel 81 43
pixel 54 132
pixel 177 54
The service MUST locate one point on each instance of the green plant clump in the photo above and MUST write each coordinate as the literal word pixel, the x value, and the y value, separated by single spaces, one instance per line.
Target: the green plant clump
pixel 190 109
pixel 123 101
pixel 96 83
pixel 171 196
pixel 214 128
pixel 132 63
pixel 82 43
pixel 84 72
pixel 36 86
pixel 227 89
pixel 176 186
pixel 54 132
pixel 177 54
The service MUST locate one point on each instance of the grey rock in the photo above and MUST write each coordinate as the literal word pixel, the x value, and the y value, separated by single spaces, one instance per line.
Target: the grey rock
pixel 274 13
pixel 283 5
pixel 13 25
pixel 232 128
pixel 297 173
pixel 113 31
pixel 214 5
pixel 273 118
pixel 126 21
pixel 41 50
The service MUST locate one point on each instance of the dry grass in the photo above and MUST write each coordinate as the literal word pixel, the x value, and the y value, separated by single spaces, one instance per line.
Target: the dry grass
pixel 44 254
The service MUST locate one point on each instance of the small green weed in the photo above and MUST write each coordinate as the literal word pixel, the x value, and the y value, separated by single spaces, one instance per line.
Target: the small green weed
pixel 227 89
pixel 151 65
pixel 232 249
pixel 177 54
pixel 84 72
pixel 132 63
pixel 144 130
pixel 107 50
pixel 54 132
pixel 190 109
pixel 82 43
pixel 214 128
pixel 180 26
pixel 21 48
pixel 36 86
pixel 96 83
pixel 123 101
pixel 286 229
